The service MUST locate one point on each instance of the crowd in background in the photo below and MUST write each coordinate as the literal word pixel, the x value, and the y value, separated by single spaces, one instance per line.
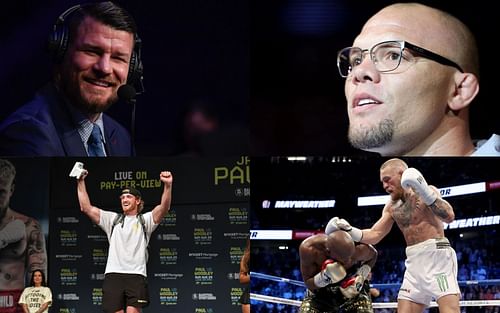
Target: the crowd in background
pixel 477 259
pixel 347 179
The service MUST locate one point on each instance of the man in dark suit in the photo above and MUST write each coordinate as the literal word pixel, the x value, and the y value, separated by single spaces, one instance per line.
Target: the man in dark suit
pixel 95 48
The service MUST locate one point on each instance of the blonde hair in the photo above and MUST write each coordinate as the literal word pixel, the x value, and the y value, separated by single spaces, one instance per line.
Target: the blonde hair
pixel 394 162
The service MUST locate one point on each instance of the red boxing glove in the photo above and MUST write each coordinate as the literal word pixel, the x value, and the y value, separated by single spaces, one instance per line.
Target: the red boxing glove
pixel 331 272
pixel 326 262
pixel 351 286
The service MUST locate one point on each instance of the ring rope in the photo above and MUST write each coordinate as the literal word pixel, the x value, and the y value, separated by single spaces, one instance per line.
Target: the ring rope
pixel 258 297
pixel 376 305
pixel 277 279
pixel 392 285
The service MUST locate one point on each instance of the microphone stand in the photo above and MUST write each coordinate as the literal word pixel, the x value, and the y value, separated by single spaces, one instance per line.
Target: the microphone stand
pixel 132 101
pixel 128 93
pixel 132 122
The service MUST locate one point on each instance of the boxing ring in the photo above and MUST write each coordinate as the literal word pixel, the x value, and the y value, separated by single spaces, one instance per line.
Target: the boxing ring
pixel 376 305
pixel 276 296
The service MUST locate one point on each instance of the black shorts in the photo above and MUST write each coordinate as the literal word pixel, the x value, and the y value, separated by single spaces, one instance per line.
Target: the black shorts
pixel 329 299
pixel 120 290
pixel 245 296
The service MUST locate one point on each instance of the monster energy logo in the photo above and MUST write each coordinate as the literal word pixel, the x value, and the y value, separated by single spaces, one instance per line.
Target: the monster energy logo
pixel 442 282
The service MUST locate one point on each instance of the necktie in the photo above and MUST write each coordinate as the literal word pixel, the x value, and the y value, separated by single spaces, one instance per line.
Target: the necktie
pixel 95 142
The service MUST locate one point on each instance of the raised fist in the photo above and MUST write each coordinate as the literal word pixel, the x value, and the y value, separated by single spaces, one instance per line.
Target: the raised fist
pixel 413 179
pixel 166 177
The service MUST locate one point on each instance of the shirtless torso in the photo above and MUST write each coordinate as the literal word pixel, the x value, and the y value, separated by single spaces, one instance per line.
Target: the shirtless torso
pixel 24 255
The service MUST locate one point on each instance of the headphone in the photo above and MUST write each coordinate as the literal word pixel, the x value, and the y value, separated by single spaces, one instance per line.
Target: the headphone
pixel 59 41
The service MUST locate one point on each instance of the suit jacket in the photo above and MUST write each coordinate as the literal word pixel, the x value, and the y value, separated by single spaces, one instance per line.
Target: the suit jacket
pixel 44 127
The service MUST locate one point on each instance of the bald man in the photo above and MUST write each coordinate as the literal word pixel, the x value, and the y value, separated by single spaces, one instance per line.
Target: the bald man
pixel 419 211
pixel 335 271
pixel 410 77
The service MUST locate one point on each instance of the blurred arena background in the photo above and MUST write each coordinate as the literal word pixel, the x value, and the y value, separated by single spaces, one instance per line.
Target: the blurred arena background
pixel 288 195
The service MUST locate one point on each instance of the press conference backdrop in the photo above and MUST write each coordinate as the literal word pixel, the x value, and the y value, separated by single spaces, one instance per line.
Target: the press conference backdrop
pixel 194 253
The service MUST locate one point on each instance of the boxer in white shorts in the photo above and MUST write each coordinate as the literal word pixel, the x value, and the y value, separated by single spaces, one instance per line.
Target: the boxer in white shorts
pixel 431 271
pixel 419 212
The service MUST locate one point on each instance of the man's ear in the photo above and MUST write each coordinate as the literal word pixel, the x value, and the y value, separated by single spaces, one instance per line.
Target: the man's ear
pixel 466 89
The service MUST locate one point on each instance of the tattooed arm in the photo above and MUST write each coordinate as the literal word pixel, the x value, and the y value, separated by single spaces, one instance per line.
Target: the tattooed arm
pixel 36 252
pixel 442 209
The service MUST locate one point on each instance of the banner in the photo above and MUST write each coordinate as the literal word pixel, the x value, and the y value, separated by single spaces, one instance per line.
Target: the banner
pixel 194 253
pixel 24 226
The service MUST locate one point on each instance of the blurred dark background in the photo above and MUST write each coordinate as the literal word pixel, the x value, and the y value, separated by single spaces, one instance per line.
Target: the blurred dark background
pixel 265 65
pixel 297 96
pixel 195 54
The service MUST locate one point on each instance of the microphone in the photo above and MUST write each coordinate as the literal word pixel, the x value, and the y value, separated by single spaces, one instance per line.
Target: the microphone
pixel 128 93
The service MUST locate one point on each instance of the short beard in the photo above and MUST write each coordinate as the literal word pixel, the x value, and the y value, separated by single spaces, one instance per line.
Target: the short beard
pixel 375 137
pixel 94 107
pixel 89 105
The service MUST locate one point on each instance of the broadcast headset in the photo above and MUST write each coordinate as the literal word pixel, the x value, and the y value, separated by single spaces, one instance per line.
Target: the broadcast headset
pixel 59 41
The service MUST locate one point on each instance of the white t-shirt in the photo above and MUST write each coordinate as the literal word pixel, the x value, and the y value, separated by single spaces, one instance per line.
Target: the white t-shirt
pixel 490 147
pixel 127 245
pixel 34 297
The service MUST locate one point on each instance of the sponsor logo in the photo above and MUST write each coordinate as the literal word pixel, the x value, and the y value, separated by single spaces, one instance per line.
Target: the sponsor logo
pixel 442 282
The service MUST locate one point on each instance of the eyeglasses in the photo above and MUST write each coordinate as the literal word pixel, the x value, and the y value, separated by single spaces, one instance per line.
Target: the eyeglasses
pixel 386 56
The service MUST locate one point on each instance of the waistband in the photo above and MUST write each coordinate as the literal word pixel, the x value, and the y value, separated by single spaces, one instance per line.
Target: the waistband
pixel 429 244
